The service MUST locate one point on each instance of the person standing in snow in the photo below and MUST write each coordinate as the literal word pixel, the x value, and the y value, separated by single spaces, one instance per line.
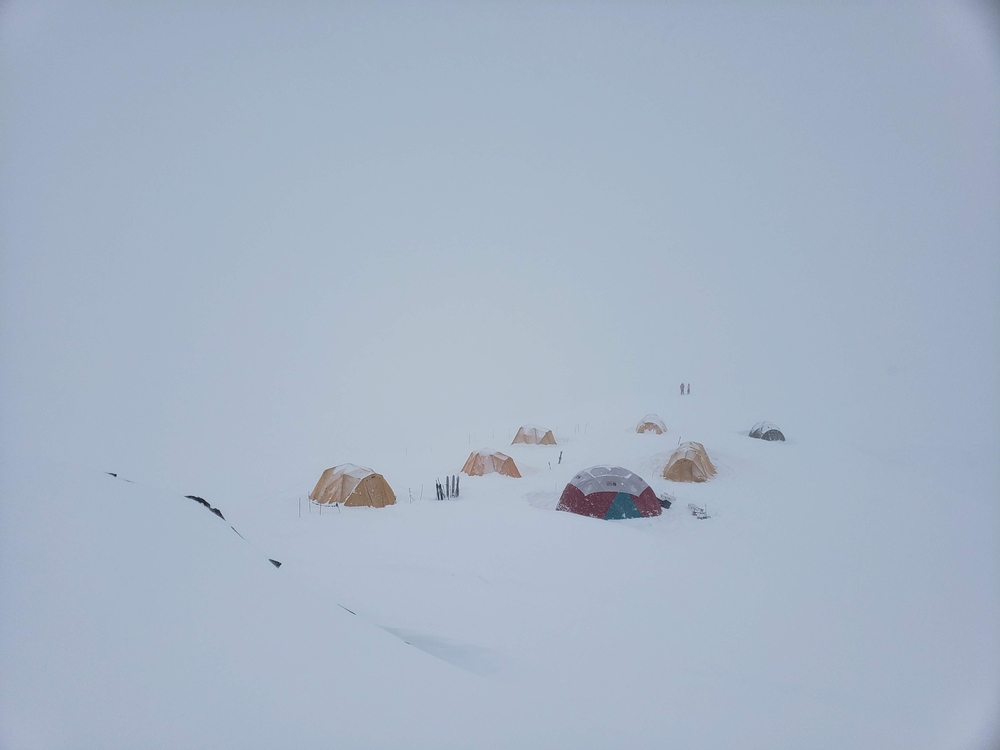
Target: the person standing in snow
pixel 689 389
pixel 682 389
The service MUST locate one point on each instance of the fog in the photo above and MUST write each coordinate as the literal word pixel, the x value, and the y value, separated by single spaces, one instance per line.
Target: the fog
pixel 236 239
pixel 242 244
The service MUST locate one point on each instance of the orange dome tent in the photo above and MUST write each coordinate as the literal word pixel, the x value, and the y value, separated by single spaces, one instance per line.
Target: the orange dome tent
pixel 689 463
pixel 352 486
pixel 651 423
pixel 487 462
pixel 534 436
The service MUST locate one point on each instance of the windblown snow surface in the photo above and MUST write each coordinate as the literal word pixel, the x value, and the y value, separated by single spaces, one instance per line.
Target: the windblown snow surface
pixel 833 599
pixel 241 243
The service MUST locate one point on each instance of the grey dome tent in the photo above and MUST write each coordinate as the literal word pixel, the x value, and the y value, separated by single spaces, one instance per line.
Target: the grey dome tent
pixel 766 431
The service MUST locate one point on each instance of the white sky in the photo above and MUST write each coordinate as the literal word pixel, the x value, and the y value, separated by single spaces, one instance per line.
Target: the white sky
pixel 230 232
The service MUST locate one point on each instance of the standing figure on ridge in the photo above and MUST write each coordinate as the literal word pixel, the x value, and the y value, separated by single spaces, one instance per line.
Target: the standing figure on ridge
pixel 682 389
pixel 689 389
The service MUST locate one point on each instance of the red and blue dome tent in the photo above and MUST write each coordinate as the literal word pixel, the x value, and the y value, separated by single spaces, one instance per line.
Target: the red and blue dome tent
pixel 609 492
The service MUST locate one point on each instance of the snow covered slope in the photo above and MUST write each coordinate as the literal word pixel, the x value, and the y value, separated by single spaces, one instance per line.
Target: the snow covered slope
pixel 833 599
pixel 242 243
pixel 136 618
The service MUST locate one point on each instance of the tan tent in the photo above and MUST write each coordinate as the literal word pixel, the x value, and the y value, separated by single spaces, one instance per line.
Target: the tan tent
pixel 651 423
pixel 534 436
pixel 486 462
pixel 352 485
pixel 689 463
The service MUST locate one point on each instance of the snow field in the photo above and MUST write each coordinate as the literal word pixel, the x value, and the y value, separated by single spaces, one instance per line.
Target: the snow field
pixel 827 602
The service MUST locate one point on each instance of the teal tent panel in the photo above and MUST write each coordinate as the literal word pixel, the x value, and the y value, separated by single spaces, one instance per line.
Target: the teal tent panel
pixel 622 507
